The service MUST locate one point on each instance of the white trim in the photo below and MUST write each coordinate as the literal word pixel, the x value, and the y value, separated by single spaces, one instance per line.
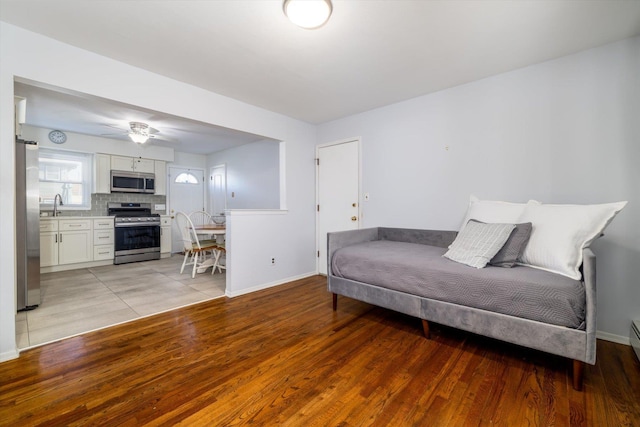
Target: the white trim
pixel 358 141
pixel 282 167
pixel 268 285
pixel 245 212
pixel 620 339
pixel 9 355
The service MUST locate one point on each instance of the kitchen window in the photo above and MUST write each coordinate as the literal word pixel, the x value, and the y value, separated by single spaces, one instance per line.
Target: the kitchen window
pixel 67 173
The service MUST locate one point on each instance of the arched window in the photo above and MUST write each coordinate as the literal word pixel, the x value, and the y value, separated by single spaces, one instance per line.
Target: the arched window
pixel 186 178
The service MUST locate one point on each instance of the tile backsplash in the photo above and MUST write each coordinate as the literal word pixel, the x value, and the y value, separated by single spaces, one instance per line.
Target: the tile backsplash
pixel 99 203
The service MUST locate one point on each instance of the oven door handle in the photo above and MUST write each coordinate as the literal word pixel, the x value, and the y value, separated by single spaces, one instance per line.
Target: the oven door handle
pixel 138 224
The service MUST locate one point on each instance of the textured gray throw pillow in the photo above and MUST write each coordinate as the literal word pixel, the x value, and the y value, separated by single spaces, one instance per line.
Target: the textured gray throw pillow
pixel 517 241
pixel 478 243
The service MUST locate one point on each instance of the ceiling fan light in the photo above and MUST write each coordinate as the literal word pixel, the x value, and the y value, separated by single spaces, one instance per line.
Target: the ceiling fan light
pixel 308 14
pixel 138 138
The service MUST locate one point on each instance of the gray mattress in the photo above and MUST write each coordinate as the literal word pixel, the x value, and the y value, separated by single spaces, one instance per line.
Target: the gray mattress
pixel 421 270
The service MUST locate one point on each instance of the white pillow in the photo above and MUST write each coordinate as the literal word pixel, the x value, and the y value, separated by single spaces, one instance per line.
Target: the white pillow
pixel 560 232
pixel 478 242
pixel 493 211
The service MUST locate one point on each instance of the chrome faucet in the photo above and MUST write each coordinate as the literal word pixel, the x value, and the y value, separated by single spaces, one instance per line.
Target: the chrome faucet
pixel 55 204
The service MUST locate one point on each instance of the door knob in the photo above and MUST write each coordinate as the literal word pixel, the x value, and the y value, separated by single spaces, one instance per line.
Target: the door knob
pixel 354 218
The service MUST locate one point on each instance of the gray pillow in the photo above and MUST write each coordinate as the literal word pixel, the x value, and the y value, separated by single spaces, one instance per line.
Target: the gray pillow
pixel 478 243
pixel 513 248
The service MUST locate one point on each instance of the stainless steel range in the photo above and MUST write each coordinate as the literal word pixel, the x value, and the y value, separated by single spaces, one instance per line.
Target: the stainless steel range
pixel 137 232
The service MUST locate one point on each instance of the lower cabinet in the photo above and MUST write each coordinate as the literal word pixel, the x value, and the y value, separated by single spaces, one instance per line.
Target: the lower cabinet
pixel 103 239
pixel 48 249
pixel 75 246
pixel 74 241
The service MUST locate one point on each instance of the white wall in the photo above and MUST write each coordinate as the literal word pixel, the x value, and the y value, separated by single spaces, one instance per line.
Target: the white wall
pixel 564 131
pixel 253 177
pixel 31 56
pixel 190 160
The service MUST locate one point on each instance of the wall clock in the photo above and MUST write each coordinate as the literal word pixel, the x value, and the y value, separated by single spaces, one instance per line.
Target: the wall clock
pixel 57 137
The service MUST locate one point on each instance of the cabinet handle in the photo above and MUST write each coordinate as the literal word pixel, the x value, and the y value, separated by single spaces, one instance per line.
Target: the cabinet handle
pixel 75 225
pixel 56 238
pixel 60 237
pixel 103 237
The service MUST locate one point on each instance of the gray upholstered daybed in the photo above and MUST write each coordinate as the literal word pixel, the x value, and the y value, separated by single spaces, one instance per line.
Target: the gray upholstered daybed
pixel 404 270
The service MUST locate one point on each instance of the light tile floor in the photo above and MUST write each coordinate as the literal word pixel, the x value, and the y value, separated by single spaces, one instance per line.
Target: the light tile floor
pixel 78 301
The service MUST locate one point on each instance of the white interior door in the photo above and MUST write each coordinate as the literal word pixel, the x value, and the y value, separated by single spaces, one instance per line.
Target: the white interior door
pixel 186 194
pixel 338 189
pixel 218 189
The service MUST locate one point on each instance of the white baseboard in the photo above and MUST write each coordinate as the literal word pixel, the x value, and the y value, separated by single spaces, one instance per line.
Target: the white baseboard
pixel 268 285
pixel 620 339
pixel 9 355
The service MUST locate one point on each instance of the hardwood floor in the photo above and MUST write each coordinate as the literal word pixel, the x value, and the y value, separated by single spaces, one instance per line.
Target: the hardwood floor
pixel 283 357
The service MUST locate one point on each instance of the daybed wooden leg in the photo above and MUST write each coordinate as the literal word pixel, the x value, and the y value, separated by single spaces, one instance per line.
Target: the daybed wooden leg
pixel 335 302
pixel 425 329
pixel 578 373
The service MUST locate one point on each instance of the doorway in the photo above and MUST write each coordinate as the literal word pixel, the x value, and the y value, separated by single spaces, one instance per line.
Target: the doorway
pixel 338 182
pixel 218 190
pixel 186 194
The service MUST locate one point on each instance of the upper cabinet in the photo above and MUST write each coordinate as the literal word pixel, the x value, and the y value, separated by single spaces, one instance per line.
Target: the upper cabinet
pixel 101 171
pixel 132 164
pixel 161 177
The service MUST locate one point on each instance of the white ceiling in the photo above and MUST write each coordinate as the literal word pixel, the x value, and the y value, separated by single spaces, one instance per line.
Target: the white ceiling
pixel 370 53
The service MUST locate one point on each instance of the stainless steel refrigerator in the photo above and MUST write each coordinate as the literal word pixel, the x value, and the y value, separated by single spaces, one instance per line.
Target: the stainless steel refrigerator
pixel 27 225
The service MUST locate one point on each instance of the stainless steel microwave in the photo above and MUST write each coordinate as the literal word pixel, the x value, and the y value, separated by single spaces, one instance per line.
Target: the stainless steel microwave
pixel 132 182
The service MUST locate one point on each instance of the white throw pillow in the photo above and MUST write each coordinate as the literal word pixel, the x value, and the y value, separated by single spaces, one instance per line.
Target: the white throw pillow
pixel 560 232
pixel 478 242
pixel 493 211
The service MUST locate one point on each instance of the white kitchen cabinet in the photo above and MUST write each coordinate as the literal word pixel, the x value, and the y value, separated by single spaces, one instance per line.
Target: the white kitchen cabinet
pixel 102 173
pixel 165 235
pixel 121 163
pixel 74 247
pixel 65 242
pixel 48 243
pixel 144 165
pixel 75 241
pixel 103 239
pixel 132 164
pixel 48 249
pixel 160 170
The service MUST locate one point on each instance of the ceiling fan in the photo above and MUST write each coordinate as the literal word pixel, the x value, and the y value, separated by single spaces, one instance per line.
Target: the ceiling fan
pixel 139 132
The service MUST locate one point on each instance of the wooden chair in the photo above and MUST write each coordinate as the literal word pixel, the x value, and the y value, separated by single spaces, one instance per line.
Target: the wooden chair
pixel 195 250
pixel 217 254
pixel 199 218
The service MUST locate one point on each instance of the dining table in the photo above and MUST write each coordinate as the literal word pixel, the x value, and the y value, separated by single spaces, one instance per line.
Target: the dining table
pixel 210 231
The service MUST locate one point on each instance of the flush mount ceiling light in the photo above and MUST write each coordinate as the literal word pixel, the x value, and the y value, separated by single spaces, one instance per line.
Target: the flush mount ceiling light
pixel 308 14
pixel 139 132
